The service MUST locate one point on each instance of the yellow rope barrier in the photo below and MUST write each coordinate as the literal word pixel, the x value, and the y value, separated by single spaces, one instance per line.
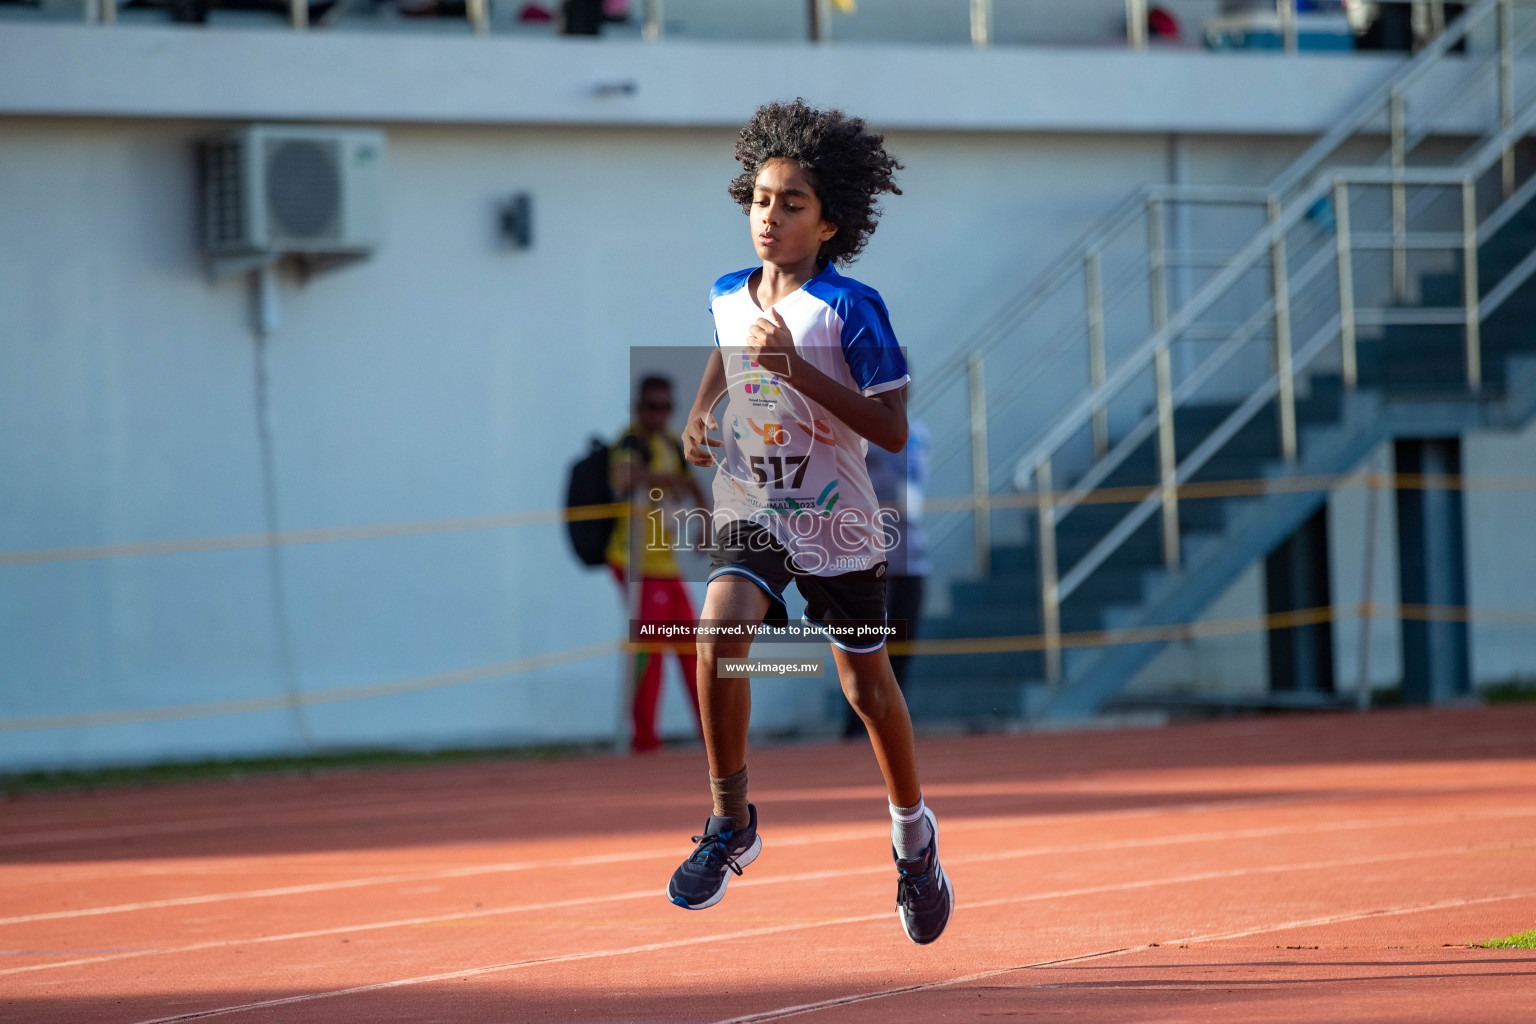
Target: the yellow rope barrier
pixel 1192 630
pixel 966 645
pixel 969 645
pixel 1102 496
pixel 1246 489
pixel 280 702
pixel 322 536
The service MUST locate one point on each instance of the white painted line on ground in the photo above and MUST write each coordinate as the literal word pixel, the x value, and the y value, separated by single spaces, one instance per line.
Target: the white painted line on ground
pixel 334 811
pixel 1309 922
pixel 327 814
pixel 315 933
pixel 858 919
pixel 786 1012
pixel 864 997
pixel 471 972
pixel 474 870
pixel 314 887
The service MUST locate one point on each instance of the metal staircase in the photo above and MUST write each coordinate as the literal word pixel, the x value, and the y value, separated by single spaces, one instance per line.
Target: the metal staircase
pixel 1373 301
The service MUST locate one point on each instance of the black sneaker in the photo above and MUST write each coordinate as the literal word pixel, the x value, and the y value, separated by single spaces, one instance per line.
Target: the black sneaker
pixel 700 880
pixel 924 897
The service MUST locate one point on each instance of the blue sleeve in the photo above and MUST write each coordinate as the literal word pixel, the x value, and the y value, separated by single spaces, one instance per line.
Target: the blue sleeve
pixel 870 346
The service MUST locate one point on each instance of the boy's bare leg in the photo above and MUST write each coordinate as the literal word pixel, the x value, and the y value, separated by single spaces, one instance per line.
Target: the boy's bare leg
pixel 870 686
pixel 925 896
pixel 730 841
pixel 725 705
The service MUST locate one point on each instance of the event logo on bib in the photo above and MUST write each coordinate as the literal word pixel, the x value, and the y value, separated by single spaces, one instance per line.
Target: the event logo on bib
pixel 771 433
pixel 761 385
pixel 783 461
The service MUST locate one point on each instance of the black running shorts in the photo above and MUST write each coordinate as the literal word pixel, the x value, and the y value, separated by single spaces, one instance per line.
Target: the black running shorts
pixel 850 607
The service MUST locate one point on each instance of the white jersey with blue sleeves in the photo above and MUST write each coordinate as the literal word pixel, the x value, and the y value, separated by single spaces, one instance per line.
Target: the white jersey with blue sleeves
pixel 788 463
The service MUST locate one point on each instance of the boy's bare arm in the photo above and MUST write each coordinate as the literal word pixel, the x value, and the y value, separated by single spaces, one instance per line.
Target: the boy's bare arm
pixel 701 419
pixel 882 418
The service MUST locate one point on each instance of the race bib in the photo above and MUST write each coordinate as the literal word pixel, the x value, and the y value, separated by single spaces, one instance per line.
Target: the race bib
pixel 781 456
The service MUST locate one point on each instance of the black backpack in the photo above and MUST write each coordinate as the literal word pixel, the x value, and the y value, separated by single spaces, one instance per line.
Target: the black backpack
pixel 589 485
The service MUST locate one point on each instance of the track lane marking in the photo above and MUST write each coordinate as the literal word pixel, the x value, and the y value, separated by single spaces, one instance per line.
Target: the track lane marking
pixel 1407 908
pixel 783 1013
pixel 849 835
pixel 383 809
pixel 856 919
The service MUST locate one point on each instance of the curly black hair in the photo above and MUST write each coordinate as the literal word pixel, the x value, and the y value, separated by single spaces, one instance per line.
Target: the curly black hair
pixel 846 162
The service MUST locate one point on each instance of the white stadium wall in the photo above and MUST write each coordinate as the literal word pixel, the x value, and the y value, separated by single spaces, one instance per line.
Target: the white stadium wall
pixel 449 376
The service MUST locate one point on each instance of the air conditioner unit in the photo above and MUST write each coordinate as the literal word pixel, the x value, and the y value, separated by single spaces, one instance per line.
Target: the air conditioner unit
pixel 270 190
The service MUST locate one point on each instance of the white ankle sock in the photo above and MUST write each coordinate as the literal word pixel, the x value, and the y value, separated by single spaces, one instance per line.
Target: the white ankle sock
pixel 910 831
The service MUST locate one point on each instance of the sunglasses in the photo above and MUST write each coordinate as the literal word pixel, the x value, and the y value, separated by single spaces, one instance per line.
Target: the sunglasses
pixel 656 406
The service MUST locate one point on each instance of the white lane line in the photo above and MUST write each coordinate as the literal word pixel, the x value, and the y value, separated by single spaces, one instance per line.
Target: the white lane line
pixel 348 883
pixel 1202 876
pixel 1412 908
pixel 864 997
pixel 326 815
pixel 322 810
pixel 341 807
pixel 468 871
pixel 471 972
pixel 523 908
pixel 786 1012
pixel 475 870
pixel 315 933
pixel 385 808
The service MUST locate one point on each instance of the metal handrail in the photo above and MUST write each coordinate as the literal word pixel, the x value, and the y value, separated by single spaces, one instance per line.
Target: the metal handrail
pixel 1124 214
pixel 818 19
pixel 1377 102
pixel 1056 586
pixel 1059 343
pixel 1246 260
pixel 1268 244
pixel 1186 389
pixel 1142 204
pixel 1395 240
pixel 1192 462
pixel 1474 80
pixel 1228 334
pixel 1145 203
pixel 1036 367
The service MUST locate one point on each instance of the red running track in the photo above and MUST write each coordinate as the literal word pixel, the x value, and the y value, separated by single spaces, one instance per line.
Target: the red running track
pixel 1327 868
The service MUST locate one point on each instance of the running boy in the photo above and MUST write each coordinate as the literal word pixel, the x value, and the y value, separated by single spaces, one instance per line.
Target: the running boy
pixel 813 374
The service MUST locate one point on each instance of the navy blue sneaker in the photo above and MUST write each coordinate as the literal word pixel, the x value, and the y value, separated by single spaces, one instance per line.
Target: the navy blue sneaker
pixel 924 896
pixel 700 880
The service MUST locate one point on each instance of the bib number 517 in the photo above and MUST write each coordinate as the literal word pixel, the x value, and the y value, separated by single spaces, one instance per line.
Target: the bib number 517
pixel 796 463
